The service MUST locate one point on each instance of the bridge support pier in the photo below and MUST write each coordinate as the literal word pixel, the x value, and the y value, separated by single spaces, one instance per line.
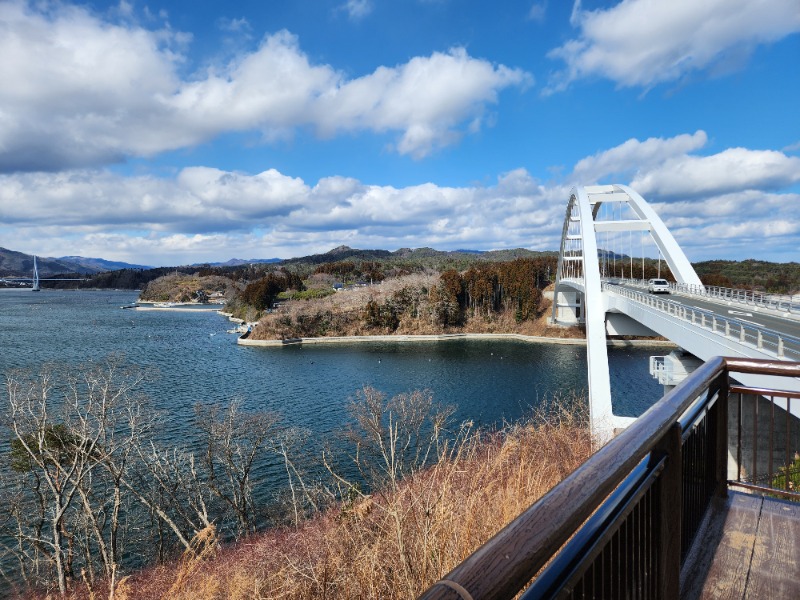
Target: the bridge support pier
pixel 670 370
pixel 569 307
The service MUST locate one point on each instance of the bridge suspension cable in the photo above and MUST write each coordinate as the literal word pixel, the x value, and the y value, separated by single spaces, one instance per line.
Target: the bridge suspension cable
pixel 578 296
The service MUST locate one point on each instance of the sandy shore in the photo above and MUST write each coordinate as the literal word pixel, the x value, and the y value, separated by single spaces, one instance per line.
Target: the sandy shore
pixel 178 306
pixel 177 309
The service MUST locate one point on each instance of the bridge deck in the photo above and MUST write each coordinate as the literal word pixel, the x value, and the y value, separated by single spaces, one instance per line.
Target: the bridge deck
pixel 749 548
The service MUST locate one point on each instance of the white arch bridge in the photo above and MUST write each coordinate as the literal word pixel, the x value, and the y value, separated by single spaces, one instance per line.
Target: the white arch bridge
pixel 592 288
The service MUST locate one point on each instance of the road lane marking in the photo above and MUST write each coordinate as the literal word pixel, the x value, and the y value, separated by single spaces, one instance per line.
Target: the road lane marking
pixel 739 312
pixel 751 322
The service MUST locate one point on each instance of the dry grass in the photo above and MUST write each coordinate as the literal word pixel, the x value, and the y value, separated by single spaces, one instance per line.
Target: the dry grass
pixel 391 545
pixel 342 314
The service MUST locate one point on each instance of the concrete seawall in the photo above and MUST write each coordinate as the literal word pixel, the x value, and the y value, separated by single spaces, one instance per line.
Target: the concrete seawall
pixel 244 341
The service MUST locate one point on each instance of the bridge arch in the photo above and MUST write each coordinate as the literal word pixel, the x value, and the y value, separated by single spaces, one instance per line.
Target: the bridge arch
pixel 578 296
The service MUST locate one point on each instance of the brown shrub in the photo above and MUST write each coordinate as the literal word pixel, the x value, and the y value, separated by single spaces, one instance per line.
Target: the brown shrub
pixel 389 545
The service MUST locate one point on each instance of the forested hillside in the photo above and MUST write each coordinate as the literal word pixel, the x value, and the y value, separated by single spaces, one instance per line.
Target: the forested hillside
pixel 487 297
pixel 777 278
pixel 348 266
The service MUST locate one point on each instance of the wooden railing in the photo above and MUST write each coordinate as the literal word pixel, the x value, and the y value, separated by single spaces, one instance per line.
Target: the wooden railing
pixel 766 441
pixel 621 525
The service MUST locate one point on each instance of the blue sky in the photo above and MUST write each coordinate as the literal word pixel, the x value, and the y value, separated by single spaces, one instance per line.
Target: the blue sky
pixel 181 132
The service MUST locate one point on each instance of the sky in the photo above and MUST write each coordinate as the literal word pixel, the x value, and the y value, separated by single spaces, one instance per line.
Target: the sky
pixel 179 132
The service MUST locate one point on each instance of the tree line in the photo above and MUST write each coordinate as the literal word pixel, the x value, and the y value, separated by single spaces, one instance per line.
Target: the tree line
pixel 261 294
pixel 484 289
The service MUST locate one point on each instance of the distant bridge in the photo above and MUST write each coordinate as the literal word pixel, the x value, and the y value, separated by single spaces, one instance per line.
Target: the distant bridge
pixel 703 322
pixel 34 281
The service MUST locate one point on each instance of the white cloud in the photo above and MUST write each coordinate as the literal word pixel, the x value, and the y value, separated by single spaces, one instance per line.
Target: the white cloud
pixel 73 88
pixel 721 205
pixel 666 168
pixel 634 155
pixel 80 92
pixel 749 224
pixel 357 9
pixel 731 170
pixel 640 43
pixel 538 11
pixel 425 98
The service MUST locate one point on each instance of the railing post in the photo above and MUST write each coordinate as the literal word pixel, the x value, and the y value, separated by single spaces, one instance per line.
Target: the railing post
pixel 760 340
pixel 670 513
pixel 780 346
pixel 741 333
pixel 722 435
pixel 727 329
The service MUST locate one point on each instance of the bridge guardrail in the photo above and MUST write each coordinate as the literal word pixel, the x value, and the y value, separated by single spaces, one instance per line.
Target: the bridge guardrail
pixel 781 345
pixel 658 369
pixel 779 302
pixel 783 303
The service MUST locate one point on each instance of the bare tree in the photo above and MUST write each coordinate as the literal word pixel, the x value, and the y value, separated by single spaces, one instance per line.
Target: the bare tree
pixel 85 482
pixel 67 428
pixel 394 437
pixel 232 441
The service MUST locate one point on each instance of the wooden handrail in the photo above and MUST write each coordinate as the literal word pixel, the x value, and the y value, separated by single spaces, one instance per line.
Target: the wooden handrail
pixel 762 367
pixel 507 562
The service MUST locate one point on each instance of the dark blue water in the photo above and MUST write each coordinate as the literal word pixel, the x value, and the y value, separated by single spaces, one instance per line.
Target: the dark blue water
pixel 195 361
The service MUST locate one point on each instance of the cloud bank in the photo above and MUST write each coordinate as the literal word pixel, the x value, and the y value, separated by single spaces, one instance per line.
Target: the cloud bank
pixel 730 199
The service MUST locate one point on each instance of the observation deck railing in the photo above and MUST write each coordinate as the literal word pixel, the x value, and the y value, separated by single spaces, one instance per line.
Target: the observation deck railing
pixel 779 344
pixel 623 523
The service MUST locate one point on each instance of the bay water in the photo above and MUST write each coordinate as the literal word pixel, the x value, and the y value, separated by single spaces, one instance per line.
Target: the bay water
pixel 194 361
pixel 191 362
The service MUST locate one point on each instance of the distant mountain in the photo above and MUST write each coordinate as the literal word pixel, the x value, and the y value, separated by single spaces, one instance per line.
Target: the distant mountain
pixel 610 255
pixel 427 256
pixel 337 254
pixel 18 264
pixel 237 262
pixel 99 265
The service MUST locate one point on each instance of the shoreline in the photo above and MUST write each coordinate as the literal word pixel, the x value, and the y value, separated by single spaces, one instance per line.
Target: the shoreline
pixel 244 341
pixel 176 309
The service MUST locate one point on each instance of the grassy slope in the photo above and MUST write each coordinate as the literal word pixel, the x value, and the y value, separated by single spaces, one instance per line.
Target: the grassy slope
pixel 393 544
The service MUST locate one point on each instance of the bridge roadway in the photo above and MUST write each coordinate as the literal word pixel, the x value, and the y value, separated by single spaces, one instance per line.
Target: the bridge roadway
pixel 750 315
pixel 707 328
